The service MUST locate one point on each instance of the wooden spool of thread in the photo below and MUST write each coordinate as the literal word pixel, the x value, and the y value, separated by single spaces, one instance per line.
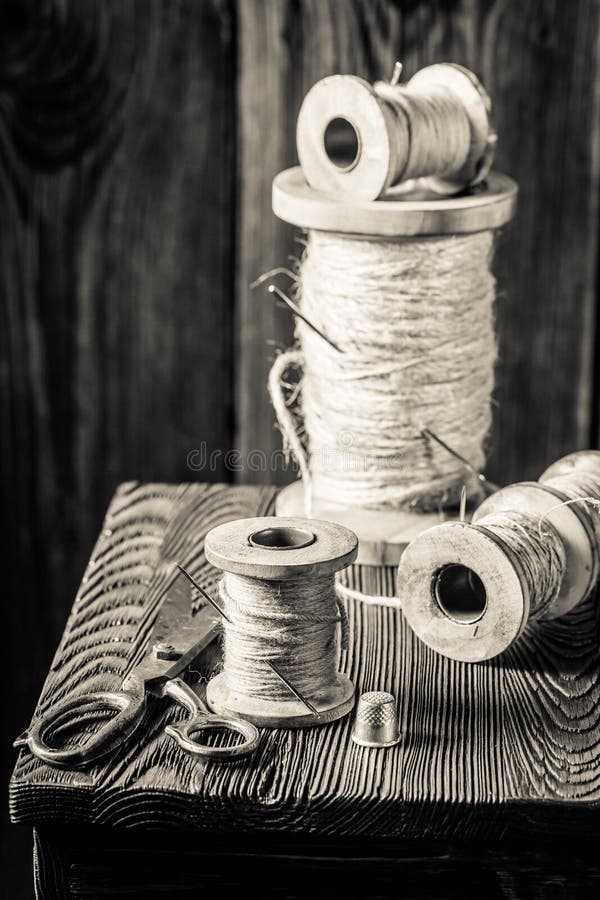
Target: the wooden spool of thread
pixel 281 616
pixel 531 552
pixel 404 290
pixel 360 140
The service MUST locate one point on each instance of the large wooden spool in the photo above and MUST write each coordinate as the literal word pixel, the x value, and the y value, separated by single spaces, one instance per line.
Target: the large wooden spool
pixel 384 534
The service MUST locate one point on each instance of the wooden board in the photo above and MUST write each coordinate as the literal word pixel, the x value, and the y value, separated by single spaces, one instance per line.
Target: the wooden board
pixel 489 750
pixel 540 64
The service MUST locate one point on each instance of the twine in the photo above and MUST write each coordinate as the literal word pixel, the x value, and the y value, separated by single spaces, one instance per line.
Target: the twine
pixel 539 551
pixel 414 319
pixel 290 624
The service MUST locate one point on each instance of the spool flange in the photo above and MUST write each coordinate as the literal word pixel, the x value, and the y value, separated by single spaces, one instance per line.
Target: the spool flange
pixel 580 461
pixel 276 549
pixel 480 208
pixel 436 610
pixel 383 534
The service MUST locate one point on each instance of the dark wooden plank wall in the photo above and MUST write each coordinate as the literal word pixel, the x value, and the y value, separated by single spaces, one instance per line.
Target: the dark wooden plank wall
pixel 117 204
pixel 128 238
pixel 540 62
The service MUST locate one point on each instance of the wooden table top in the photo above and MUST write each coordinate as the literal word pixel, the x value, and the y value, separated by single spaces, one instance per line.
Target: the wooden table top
pixel 488 750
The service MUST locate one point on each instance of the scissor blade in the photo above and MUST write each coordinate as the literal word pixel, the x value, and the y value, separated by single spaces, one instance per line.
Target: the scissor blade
pixel 182 636
pixel 175 608
pixel 191 637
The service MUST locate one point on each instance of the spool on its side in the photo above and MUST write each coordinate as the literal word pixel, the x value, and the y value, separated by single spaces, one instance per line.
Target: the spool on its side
pixel 346 134
pixel 463 592
pixel 276 549
pixel 572 526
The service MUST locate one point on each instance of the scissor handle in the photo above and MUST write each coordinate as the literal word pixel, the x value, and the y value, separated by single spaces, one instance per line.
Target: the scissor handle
pixel 203 720
pixel 131 705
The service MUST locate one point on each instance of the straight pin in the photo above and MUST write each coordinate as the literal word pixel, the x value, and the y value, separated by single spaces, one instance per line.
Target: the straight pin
pixel 273 289
pixel 295 692
pixel 488 486
pixel 463 503
pixel 204 593
pixel 396 74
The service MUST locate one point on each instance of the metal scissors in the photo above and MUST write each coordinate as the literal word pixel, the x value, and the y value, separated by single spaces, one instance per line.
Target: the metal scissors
pixel 176 640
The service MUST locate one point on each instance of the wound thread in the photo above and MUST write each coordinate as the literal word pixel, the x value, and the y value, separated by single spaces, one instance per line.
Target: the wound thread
pixel 540 553
pixel 432 134
pixel 414 319
pixel 290 624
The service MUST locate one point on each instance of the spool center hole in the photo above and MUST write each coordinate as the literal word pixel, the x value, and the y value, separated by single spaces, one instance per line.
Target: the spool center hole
pixel 342 144
pixel 282 537
pixel 460 593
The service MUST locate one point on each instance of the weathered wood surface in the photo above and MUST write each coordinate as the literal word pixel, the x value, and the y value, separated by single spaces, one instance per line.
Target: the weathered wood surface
pixel 488 750
pixel 540 63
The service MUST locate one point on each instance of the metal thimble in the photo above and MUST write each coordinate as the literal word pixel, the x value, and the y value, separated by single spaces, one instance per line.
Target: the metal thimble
pixel 376 723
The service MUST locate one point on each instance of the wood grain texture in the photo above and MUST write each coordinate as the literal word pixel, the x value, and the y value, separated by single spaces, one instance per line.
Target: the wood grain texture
pixel 487 750
pixel 114 302
pixel 540 64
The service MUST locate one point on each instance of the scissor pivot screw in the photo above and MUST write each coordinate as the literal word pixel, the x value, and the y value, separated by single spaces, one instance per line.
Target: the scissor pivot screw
pixel 165 651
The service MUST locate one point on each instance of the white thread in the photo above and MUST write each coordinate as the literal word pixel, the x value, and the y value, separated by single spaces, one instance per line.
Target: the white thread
pixel 290 624
pixel 414 319
pixel 432 133
pixel 374 599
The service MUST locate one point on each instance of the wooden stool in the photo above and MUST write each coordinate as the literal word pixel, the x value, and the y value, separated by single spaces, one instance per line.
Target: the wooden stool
pixel 495 783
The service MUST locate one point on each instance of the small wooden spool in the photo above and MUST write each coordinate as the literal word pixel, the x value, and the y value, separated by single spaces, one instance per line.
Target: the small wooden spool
pixel 463 590
pixel 349 143
pixel 275 549
pixel 384 534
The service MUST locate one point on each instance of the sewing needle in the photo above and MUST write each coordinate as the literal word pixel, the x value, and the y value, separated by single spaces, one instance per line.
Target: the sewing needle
pixel 488 486
pixel 273 289
pixel 204 593
pixel 293 690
